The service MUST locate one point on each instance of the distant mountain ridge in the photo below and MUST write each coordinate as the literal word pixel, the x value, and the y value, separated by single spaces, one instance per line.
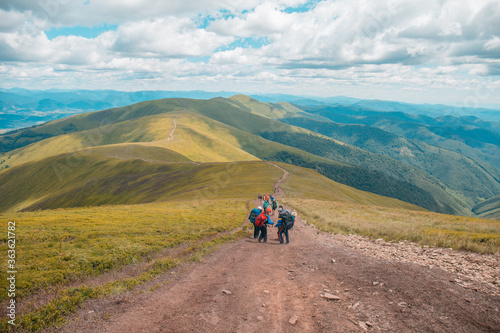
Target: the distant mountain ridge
pixel 23 108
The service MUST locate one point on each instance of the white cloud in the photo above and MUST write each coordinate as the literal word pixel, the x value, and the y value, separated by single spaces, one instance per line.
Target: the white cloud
pixel 167 37
pixel 95 12
pixel 266 19
pixel 443 44
pixel 9 20
pixel 492 44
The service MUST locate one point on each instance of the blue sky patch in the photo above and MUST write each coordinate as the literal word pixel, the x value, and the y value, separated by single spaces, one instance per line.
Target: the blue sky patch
pixel 86 32
pixel 302 8
pixel 204 59
pixel 249 42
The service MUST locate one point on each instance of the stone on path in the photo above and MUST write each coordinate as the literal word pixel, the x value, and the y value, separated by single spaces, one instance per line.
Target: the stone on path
pixel 294 320
pixel 331 297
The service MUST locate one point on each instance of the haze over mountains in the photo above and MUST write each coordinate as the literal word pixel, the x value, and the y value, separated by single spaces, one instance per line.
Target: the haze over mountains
pixel 24 108
pixel 446 164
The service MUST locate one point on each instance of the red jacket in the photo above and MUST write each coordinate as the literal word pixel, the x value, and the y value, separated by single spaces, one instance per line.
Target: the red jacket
pixel 261 220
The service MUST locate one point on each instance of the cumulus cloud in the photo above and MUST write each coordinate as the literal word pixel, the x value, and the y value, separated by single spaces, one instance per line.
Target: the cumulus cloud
pixel 167 37
pixel 249 42
pixel 9 20
pixel 266 19
pixel 95 12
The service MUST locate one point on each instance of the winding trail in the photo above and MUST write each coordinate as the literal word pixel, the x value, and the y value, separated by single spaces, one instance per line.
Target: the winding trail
pixel 278 191
pixel 314 284
pixel 171 136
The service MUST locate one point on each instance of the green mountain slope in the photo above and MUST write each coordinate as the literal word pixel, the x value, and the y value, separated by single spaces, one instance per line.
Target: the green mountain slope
pixel 84 122
pixel 126 174
pixel 471 180
pixel 470 136
pixel 97 178
pixel 488 209
pixel 195 137
pixel 468 180
pixel 227 130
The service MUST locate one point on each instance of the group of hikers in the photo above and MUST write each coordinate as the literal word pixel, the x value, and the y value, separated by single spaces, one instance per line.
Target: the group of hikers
pixel 260 217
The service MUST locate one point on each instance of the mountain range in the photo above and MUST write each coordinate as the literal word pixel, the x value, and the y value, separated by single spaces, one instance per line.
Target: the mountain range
pixel 119 155
pixel 23 108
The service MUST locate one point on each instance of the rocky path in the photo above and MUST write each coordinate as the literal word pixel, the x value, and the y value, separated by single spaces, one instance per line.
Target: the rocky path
pixel 318 283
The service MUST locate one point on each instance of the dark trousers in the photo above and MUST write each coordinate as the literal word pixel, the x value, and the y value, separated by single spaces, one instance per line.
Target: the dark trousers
pixel 256 231
pixel 263 233
pixel 281 231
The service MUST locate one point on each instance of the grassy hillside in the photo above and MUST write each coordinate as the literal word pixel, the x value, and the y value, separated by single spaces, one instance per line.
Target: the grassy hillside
pixel 61 252
pixel 489 209
pixel 175 187
pixel 227 130
pixel 235 113
pixel 465 233
pixel 195 207
pixel 474 178
pixel 308 183
pixel 468 181
pixel 202 139
pixel 97 179
pixel 191 201
pixel 196 137
pixel 62 245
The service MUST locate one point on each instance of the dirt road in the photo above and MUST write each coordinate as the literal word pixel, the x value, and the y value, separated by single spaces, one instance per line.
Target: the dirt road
pixel 314 284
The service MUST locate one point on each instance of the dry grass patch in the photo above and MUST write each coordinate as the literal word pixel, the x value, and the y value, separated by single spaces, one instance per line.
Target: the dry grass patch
pixel 392 224
pixel 62 245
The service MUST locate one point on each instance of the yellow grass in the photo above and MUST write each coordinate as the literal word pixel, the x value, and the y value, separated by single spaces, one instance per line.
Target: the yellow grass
pixel 59 246
pixel 198 138
pixel 204 140
pixel 393 224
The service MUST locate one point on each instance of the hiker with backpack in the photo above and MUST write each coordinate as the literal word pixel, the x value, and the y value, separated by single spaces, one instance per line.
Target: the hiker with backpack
pixel 252 217
pixel 274 205
pixel 278 223
pixel 261 222
pixel 266 204
pixel 286 221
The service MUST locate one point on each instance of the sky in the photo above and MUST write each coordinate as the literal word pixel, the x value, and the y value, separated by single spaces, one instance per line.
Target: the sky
pixel 432 51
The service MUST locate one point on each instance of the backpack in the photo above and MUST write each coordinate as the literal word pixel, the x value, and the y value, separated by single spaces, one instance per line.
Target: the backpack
pixel 275 205
pixel 261 220
pixel 286 220
pixel 253 214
